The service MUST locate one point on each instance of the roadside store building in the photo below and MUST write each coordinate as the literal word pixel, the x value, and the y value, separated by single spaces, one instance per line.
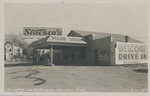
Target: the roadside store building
pixel 93 48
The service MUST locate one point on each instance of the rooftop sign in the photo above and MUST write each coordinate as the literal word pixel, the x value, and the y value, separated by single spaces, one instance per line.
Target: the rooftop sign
pixel 41 31
pixel 62 39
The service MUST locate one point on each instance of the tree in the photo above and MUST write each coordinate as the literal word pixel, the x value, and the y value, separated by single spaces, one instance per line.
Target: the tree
pixel 17 40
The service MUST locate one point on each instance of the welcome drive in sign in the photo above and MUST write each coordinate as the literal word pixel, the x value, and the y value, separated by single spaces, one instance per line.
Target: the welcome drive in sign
pixel 131 53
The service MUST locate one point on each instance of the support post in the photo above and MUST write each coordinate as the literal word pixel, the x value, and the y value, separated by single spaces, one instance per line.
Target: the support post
pixel 51 54
pixel 28 56
pixel 12 53
pixel 43 52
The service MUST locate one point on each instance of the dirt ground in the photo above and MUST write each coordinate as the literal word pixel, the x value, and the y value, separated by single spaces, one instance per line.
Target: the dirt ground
pixel 27 78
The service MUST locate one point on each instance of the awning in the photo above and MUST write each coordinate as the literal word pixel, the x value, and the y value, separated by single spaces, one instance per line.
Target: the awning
pixel 58 41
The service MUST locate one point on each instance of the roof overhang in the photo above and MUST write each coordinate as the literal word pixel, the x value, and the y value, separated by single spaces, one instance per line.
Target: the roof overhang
pixel 58 41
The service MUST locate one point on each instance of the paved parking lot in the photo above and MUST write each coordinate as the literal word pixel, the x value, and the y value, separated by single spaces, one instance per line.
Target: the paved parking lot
pixel 34 78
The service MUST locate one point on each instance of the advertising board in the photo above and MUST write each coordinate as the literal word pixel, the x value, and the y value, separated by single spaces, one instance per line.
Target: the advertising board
pixel 41 31
pixel 63 39
pixel 103 54
pixel 131 53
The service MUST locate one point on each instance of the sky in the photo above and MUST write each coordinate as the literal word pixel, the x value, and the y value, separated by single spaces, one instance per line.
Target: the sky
pixel 127 19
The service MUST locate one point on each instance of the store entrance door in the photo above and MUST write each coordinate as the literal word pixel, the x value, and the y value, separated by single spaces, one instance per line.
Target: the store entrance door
pixel 58 57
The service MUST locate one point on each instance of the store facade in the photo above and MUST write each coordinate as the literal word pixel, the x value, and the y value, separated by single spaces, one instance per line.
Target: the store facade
pixel 93 48
pixel 63 50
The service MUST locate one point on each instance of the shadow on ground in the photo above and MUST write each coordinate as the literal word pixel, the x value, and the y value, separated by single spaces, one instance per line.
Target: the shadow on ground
pixel 142 70
pixel 39 81
pixel 35 64
pixel 21 64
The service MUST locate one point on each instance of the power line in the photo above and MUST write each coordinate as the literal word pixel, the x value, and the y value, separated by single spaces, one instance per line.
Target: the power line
pixel 11 11
pixel 17 18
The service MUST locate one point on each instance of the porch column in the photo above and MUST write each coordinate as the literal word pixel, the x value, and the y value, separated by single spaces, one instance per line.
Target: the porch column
pixel 51 54
pixel 43 52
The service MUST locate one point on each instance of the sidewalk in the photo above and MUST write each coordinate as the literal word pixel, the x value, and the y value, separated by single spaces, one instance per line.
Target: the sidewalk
pixel 15 62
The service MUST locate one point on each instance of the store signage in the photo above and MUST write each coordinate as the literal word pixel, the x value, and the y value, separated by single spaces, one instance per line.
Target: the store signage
pixel 103 54
pixel 131 53
pixel 63 39
pixel 41 31
pixel 8 46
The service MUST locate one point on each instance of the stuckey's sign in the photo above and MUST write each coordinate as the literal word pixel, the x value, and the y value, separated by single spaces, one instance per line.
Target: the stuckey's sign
pixel 41 31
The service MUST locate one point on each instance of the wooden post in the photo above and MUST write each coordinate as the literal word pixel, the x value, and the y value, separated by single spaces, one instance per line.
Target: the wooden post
pixel 43 52
pixel 28 56
pixel 12 53
pixel 51 54
pixel 37 56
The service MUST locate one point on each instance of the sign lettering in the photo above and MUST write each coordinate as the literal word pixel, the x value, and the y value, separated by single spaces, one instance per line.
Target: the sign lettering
pixel 66 39
pixel 41 31
pixel 129 53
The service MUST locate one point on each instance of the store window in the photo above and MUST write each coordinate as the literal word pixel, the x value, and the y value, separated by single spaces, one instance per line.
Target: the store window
pixel 81 54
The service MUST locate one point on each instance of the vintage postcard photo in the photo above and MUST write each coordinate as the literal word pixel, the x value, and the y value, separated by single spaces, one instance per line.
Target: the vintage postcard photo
pixel 75 47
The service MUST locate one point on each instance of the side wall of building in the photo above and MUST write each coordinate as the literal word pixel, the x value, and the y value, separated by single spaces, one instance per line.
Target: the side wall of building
pixel 98 51
pixel 112 53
